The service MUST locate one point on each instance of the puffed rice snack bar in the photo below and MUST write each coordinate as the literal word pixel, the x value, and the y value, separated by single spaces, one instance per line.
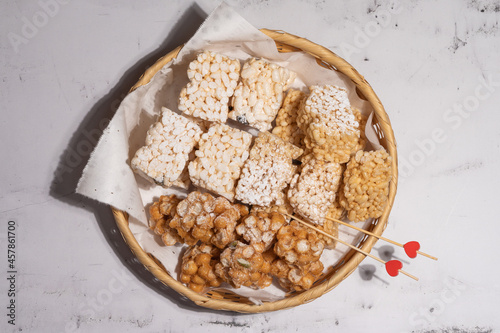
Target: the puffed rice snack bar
pixel 286 121
pixel 221 154
pixel 267 171
pixel 361 119
pixel 168 144
pixel 313 191
pixel 213 80
pixel 365 189
pixel 259 94
pixel 330 127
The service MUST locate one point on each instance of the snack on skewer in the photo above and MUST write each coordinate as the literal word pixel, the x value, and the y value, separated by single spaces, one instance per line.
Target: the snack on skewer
pixel 168 144
pixel 259 229
pixel 198 267
pixel 331 228
pixel 312 192
pixel 327 120
pixel 259 94
pixel 298 245
pixel 221 154
pixel 242 265
pixel 286 121
pixel 267 171
pixel 213 80
pixel 294 277
pixel 366 185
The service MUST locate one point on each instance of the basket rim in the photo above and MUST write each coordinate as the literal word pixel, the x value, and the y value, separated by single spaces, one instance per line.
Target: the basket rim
pixel 325 56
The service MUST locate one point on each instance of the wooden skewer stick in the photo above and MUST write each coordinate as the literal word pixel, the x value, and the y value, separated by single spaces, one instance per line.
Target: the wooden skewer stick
pixel 345 243
pixel 379 237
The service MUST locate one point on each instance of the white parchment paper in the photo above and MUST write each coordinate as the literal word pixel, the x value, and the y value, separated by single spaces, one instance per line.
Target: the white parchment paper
pixel 108 177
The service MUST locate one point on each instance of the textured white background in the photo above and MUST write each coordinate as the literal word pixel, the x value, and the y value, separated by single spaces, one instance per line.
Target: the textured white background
pixel 425 61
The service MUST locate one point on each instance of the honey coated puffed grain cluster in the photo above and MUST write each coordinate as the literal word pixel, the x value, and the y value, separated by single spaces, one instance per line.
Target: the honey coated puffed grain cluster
pixel 198 267
pixel 226 242
pixel 242 265
pixel 199 217
pixel 299 250
pixel 260 228
pixel 229 245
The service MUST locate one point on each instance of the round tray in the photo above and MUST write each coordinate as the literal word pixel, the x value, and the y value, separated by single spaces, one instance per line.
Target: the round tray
pixel 229 301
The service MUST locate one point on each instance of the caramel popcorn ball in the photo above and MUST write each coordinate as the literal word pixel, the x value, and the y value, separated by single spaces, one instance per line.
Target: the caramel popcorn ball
pixel 198 267
pixel 267 171
pixel 213 80
pixel 242 265
pixel 168 144
pixel 327 120
pixel 286 121
pixel 259 229
pixel 207 219
pixel 298 245
pixel 161 213
pixel 366 185
pixel 313 191
pixel 221 154
pixel 259 95
pixel 293 277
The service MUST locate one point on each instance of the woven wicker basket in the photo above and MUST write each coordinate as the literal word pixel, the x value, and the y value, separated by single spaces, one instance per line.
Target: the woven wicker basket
pixel 224 300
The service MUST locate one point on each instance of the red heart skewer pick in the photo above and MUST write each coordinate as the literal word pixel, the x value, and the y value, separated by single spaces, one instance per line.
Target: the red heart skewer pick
pixel 411 249
pixel 393 266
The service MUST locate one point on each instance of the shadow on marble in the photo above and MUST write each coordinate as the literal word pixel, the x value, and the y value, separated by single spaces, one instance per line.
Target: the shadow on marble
pixel 367 273
pixel 85 138
pixel 386 253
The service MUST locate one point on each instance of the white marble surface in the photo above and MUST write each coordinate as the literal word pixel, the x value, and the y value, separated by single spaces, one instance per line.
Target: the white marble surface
pixel 427 61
